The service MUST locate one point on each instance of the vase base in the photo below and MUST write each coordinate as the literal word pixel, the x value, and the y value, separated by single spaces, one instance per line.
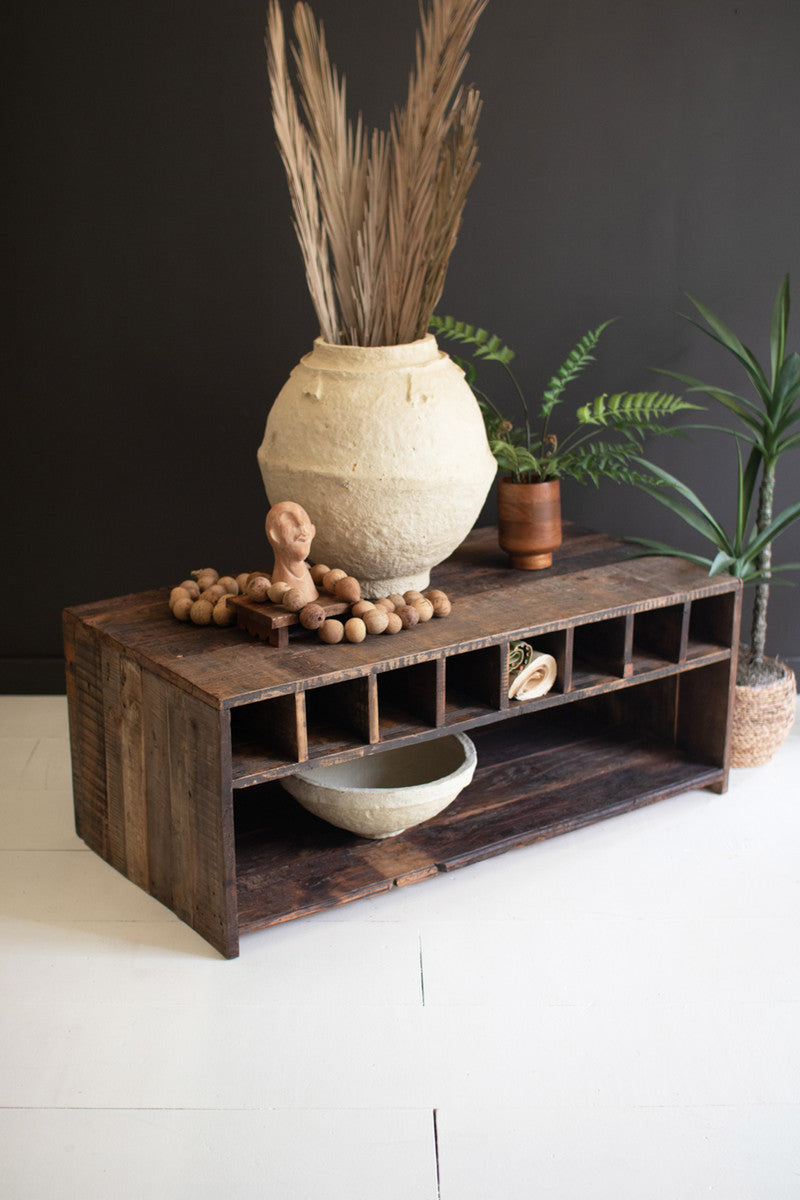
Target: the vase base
pixel 375 589
pixel 530 562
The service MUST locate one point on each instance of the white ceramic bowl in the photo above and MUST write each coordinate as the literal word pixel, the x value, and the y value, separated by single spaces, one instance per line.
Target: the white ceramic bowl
pixel 385 793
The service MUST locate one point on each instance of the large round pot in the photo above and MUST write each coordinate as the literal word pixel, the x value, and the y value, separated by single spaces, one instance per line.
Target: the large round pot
pixel 383 794
pixel 529 522
pixel 385 449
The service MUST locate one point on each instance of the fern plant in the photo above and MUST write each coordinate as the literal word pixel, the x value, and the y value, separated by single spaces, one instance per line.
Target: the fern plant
pixel 606 438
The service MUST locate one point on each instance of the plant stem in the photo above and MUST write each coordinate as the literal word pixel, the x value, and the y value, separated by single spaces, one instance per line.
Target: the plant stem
pixel 524 404
pixel 758 637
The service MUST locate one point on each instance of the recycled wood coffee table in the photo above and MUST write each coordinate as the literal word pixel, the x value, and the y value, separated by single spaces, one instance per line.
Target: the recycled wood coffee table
pixel 180 735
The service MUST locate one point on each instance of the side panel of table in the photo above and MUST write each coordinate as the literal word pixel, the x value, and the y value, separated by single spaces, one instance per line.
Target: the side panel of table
pixel 151 777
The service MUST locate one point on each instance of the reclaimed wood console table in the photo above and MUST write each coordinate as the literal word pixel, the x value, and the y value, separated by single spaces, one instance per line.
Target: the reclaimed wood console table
pixel 180 735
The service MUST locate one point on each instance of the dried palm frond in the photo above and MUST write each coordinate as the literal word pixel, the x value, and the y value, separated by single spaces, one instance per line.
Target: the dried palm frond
pixel 420 134
pixel 340 156
pixel 293 142
pixel 369 294
pixel 377 215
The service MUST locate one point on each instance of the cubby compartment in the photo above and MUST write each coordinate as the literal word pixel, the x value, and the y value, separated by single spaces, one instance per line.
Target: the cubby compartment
pixel 266 735
pixel 711 623
pixel 659 637
pixel 559 644
pixel 408 699
pixel 340 716
pixel 476 683
pixel 602 652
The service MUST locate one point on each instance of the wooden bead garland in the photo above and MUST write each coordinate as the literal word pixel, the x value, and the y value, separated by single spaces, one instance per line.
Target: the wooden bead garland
pixel 203 600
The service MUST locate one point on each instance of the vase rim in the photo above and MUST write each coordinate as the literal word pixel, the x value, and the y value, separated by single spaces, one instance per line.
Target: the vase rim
pixel 510 479
pixel 427 339
pixel 335 356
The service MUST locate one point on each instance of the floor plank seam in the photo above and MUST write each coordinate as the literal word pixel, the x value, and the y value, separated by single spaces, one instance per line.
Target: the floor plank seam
pixel 436 1153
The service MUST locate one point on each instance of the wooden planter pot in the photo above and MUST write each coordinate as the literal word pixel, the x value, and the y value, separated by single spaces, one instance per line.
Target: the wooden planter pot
pixel 529 522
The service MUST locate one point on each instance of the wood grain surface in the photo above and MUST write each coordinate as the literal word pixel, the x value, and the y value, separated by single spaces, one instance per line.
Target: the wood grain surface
pixel 180 734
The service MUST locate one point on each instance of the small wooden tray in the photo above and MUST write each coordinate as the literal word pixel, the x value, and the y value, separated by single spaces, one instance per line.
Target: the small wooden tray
pixel 272 622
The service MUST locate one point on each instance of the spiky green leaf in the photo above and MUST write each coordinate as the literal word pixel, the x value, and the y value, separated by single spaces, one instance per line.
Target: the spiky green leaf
pixel 780 322
pixel 718 331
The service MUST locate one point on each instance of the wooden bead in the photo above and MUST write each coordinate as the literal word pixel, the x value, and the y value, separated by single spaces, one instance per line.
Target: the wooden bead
pixel 348 589
pixel 229 585
pixel 355 630
pixel 411 596
pixel 205 577
pixel 330 580
pixel 408 616
pixel 190 585
pixel 241 581
pixel 180 593
pixel 385 603
pixel 182 607
pixel 423 607
pixel 258 588
pixel 312 616
pixel 393 623
pixel 440 601
pixel 213 593
pixel 397 600
pixel 376 620
pixel 201 612
pixel 293 599
pixel 318 572
pixel 276 592
pixel 331 631
pixel 223 613
pixel 361 607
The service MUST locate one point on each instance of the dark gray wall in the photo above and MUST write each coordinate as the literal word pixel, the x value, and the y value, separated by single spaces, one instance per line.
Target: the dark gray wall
pixel 630 150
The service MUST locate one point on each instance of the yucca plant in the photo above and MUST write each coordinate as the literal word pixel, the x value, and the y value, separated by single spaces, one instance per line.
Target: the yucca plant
pixel 607 433
pixel 767 427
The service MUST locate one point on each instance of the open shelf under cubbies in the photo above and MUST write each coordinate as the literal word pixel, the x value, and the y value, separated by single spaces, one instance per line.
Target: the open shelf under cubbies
pixel 180 736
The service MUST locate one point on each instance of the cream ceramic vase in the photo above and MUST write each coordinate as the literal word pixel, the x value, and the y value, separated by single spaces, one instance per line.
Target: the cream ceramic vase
pixel 385 449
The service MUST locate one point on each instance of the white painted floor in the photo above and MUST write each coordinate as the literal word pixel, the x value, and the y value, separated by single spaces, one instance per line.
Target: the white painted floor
pixel 612 1015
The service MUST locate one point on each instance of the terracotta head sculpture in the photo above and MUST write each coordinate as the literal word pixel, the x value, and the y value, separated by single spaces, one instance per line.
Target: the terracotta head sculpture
pixel 290 534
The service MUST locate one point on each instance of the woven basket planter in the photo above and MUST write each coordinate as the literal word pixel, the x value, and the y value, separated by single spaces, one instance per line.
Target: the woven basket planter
pixel 762 718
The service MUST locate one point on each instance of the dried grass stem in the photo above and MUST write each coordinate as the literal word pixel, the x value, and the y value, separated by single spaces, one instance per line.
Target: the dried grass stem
pixel 377 215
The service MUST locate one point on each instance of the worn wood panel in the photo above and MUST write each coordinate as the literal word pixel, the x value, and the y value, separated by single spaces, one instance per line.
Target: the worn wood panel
pixel 125 767
pixel 158 799
pixel 649 708
pixel 84 678
pixel 704 711
pixel 201 828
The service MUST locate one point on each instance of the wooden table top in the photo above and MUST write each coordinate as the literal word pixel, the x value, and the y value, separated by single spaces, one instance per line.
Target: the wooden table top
pixel 593 576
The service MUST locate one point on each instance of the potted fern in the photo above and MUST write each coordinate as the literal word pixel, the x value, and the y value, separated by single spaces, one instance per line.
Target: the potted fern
pixel 764 708
pixel 371 431
pixel 603 441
